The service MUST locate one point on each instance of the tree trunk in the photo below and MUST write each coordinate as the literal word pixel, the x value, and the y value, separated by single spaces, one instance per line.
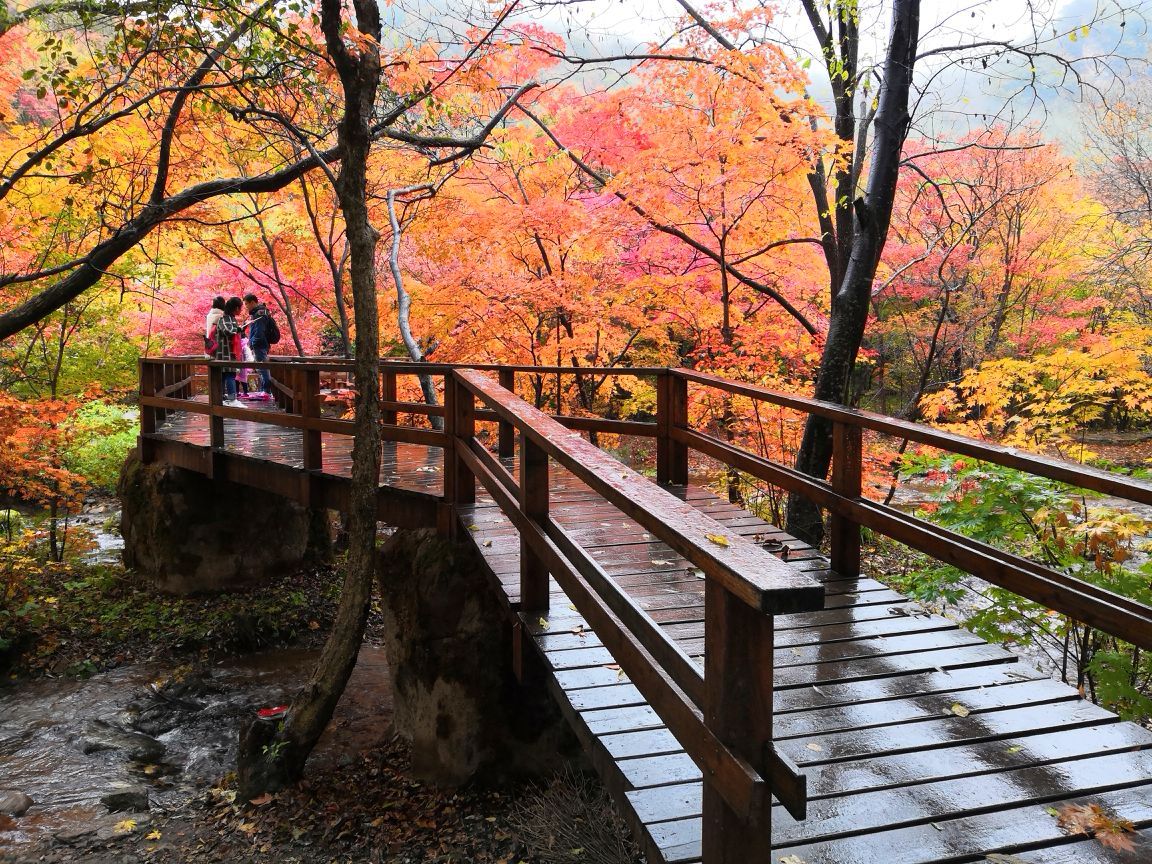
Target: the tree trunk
pixel 271 758
pixel 850 303
pixel 404 302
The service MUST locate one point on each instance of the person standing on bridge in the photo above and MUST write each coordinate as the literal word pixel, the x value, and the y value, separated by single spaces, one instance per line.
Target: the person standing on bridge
pixel 259 340
pixel 210 321
pixel 228 348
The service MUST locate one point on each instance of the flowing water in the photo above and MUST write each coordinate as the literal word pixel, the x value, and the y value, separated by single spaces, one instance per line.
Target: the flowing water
pixel 46 725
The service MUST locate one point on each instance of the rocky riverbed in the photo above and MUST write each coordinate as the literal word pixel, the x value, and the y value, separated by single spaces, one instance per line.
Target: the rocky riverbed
pixel 82 758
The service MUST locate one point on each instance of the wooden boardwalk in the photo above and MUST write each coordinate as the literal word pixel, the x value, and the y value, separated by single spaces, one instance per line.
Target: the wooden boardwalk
pixel 919 741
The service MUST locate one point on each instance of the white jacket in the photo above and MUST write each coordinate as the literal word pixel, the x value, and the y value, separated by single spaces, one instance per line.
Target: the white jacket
pixel 214 316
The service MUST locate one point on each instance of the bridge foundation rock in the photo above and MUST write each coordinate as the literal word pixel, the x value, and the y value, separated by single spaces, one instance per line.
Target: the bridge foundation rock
pixel 449 642
pixel 188 534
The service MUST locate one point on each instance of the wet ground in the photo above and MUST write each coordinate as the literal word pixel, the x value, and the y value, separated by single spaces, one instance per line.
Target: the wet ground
pixel 168 732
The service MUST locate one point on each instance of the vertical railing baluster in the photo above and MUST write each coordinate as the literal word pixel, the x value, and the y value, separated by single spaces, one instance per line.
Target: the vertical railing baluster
pixel 847 469
pixel 738 657
pixel 460 429
pixel 534 503
pixel 506 435
pixel 215 400
pixel 388 394
pixel 310 408
pixel 671 413
pixel 147 413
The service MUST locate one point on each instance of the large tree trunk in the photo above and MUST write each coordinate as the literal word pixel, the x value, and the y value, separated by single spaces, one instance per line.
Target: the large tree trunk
pixel 850 302
pixel 271 758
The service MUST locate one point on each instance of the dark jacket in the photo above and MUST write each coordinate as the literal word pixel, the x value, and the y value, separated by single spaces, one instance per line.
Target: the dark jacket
pixel 258 327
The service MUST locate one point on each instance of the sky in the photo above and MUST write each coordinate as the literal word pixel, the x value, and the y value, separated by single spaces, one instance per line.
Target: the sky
pixel 953 99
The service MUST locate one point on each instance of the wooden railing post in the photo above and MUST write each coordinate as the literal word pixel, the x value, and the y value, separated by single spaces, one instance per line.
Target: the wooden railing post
pixel 534 503
pixel 388 394
pixel 215 399
pixel 506 436
pixel 310 407
pixel 147 388
pixel 738 710
pixel 460 426
pixel 671 412
pixel 148 424
pixel 847 468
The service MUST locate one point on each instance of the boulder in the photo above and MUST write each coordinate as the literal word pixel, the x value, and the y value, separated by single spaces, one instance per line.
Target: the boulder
pixel 14 803
pixel 449 645
pixel 100 735
pixel 189 534
pixel 126 797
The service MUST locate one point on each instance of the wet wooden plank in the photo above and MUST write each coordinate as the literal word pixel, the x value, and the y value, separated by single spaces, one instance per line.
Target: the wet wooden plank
pixel 941 730
pixel 1004 830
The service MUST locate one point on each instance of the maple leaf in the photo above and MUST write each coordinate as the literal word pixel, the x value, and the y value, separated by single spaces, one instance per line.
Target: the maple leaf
pixel 1093 820
pixel 125 826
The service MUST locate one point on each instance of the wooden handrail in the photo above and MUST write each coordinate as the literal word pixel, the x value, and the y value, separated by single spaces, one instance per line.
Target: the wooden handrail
pixel 410 367
pixel 1071 473
pixel 757 577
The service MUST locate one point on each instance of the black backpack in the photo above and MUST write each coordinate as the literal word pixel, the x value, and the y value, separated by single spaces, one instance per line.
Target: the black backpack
pixel 272 330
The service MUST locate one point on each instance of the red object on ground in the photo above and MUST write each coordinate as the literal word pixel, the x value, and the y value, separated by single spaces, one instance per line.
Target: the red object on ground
pixel 274 713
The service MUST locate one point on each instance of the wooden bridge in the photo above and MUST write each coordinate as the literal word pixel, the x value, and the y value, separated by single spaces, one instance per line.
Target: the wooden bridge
pixel 743 698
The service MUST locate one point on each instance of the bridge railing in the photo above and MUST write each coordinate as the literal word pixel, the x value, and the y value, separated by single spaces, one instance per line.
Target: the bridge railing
pixel 195 384
pixel 848 510
pixel 169 384
pixel 721 715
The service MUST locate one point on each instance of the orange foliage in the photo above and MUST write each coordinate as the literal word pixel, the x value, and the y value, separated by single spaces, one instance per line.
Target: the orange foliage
pixel 32 442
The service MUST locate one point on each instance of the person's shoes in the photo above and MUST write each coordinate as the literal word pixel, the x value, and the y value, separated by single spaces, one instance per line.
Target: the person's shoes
pixel 233 403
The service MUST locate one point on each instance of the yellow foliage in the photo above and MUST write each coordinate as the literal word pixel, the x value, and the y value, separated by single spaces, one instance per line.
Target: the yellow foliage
pixel 1044 400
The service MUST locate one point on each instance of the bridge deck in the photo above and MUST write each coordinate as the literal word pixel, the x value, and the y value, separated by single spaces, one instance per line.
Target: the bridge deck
pixel 920 742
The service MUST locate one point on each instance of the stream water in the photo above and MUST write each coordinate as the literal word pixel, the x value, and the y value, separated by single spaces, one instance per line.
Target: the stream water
pixel 167 732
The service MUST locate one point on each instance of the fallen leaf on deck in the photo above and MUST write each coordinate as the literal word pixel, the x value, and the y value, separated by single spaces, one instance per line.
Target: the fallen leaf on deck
pixel 718 539
pixel 1095 821
pixel 816 747
pixel 792 859
pixel 959 710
